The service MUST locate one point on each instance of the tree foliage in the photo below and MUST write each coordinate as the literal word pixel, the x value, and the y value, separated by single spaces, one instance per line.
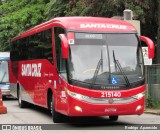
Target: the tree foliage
pixel 17 16
pixel 56 8
pixel 94 7
pixel 104 8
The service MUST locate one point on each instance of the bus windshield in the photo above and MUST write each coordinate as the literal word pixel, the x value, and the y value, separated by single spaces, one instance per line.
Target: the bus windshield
pixel 106 59
pixel 4 78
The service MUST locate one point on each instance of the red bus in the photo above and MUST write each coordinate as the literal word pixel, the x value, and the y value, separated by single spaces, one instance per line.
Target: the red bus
pixel 80 66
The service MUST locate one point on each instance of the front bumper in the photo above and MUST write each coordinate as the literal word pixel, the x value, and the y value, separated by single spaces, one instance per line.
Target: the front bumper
pixel 81 108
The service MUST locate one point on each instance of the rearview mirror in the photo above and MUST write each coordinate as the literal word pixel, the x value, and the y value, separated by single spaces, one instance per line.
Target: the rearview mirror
pixel 64 44
pixel 151 47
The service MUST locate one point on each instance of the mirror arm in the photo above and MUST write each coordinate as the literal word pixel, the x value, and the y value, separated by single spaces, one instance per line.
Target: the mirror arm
pixel 150 44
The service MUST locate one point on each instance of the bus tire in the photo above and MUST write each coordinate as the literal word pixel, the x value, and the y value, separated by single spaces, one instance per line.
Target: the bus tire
pixel 113 118
pixel 21 103
pixel 57 117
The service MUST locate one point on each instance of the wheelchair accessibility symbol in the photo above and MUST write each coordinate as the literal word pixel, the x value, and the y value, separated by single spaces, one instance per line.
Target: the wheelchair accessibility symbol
pixel 114 80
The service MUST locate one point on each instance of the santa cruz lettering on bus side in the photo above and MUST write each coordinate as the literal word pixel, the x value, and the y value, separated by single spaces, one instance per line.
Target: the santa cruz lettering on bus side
pixel 33 70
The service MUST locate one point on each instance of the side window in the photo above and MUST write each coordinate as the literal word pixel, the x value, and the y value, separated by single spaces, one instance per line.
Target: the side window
pixel 18 50
pixel 23 50
pixel 13 51
pixel 33 47
pixel 61 63
pixel 47 38
pixel 37 46
pixel 40 46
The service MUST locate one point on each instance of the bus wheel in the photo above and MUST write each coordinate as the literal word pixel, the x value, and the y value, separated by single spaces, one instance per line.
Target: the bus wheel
pixel 21 103
pixel 57 117
pixel 113 118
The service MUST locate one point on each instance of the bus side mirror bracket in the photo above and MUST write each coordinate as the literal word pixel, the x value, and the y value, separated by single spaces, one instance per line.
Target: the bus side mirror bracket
pixel 151 47
pixel 65 47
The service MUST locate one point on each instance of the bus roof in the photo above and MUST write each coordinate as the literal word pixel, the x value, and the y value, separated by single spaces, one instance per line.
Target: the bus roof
pixel 89 24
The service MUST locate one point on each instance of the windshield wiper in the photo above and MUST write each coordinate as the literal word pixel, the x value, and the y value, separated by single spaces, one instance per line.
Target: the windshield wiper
pixel 100 63
pixel 121 70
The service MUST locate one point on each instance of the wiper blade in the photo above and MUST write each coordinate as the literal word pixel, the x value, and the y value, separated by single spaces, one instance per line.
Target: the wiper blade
pixel 100 63
pixel 121 70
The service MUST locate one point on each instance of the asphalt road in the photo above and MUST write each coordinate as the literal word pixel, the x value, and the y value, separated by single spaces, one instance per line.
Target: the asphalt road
pixel 36 115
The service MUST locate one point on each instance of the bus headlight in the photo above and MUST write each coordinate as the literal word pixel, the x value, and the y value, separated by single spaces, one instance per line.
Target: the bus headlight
pixel 76 95
pixel 139 96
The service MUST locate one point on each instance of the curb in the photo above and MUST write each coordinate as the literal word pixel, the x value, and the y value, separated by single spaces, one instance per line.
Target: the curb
pixel 152 111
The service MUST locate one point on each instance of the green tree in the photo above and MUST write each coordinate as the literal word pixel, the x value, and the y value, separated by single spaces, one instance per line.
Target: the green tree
pixel 17 16
pixel 56 8
pixel 105 8
pixel 102 8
